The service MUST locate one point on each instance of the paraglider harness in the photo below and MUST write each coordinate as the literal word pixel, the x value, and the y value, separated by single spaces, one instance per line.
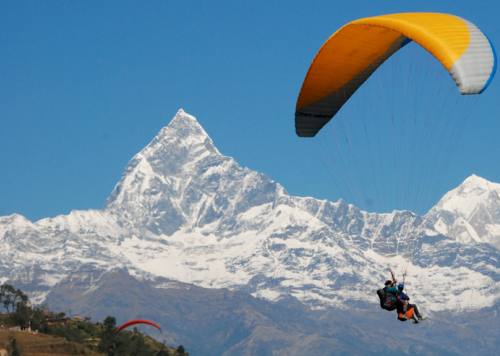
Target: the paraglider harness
pixel 387 299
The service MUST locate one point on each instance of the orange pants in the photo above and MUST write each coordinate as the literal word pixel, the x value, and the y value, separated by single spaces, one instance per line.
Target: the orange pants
pixel 409 315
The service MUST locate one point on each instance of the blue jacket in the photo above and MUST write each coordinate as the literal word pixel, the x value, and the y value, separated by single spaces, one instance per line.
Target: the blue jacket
pixel 403 296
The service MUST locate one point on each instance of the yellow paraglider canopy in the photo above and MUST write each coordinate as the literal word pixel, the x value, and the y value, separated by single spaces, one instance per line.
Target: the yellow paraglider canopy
pixel 357 49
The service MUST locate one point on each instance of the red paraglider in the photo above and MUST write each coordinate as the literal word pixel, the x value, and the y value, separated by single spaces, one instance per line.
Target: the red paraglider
pixel 137 321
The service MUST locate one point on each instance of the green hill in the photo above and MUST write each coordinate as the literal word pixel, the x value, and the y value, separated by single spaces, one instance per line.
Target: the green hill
pixel 31 330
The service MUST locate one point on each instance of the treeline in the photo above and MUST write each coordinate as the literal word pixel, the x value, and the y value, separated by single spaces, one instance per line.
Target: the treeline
pixel 100 337
pixel 19 311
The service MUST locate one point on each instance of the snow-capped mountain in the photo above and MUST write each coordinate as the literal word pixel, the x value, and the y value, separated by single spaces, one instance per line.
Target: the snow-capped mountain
pixel 470 212
pixel 185 212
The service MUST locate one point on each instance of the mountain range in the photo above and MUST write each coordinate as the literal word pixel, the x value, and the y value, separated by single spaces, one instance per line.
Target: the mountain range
pixel 186 220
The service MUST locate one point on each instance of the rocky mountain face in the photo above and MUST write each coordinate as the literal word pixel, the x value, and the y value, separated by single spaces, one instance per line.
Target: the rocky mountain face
pixel 185 212
pixel 223 322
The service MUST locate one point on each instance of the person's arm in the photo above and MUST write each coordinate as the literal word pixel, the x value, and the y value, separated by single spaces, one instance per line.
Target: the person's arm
pixel 393 278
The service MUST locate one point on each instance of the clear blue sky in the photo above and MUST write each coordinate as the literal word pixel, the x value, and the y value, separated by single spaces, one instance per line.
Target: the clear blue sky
pixel 85 85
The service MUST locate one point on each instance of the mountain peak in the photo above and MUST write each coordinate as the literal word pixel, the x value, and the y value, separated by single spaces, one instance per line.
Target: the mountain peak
pixel 183 118
pixel 178 142
pixel 160 179
pixel 15 220
pixel 181 112
pixel 185 129
pixel 474 181
pixel 470 212
pixel 468 196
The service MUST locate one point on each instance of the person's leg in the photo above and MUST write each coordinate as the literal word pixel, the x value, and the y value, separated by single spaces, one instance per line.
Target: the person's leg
pixel 415 310
pixel 410 314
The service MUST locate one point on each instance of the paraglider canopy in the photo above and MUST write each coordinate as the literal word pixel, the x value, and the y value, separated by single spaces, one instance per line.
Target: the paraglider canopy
pixel 137 321
pixel 357 49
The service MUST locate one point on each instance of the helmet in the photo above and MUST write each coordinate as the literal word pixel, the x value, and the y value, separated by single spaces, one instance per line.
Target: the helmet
pixel 388 282
pixel 401 286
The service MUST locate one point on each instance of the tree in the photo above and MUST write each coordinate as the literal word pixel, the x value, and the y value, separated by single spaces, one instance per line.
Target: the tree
pixel 108 336
pixel 22 314
pixel 39 320
pixel 6 296
pixel 10 297
pixel 110 323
